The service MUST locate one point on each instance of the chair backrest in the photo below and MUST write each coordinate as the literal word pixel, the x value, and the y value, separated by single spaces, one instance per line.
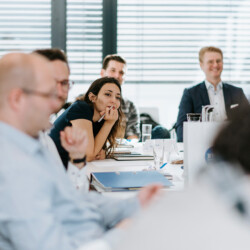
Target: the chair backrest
pixel 152 111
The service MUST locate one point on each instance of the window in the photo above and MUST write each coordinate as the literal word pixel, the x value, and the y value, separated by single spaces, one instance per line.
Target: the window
pixel 24 25
pixel 84 39
pixel 161 39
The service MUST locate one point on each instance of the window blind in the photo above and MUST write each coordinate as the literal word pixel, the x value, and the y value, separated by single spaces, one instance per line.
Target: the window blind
pixel 161 39
pixel 84 39
pixel 24 25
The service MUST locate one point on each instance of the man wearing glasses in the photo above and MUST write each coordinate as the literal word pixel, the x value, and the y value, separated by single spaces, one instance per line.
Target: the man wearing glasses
pixel 61 71
pixel 39 207
pixel 61 74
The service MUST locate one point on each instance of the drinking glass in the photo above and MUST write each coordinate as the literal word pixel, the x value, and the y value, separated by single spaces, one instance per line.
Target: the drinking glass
pixel 158 150
pixel 146 132
pixel 193 117
pixel 170 149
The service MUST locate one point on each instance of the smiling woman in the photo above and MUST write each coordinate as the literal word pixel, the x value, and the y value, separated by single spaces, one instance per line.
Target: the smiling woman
pixel 102 99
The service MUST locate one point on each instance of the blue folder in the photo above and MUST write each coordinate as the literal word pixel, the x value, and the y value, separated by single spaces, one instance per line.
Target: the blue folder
pixel 129 180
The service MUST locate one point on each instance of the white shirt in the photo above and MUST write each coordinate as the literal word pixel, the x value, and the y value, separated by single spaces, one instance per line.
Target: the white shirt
pixel 77 176
pixel 40 209
pixel 216 98
pixel 53 117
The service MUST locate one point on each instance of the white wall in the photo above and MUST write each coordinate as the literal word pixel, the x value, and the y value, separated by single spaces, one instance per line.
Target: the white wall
pixel 164 96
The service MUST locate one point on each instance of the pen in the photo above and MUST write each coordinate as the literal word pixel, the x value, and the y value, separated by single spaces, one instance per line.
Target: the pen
pixel 163 165
pixel 104 115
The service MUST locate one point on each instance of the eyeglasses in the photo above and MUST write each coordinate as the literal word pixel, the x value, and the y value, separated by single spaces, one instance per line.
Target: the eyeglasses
pixel 66 84
pixel 42 94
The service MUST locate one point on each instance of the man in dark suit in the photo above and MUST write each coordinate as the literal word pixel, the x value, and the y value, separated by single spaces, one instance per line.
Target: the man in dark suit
pixel 212 91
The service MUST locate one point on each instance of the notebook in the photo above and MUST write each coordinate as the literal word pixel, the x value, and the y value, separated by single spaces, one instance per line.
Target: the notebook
pixel 124 181
pixel 132 157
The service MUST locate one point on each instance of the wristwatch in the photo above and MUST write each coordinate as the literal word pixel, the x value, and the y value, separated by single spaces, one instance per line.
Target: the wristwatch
pixel 79 160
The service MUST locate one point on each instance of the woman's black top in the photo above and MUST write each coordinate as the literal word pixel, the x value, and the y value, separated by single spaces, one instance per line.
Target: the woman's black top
pixel 78 110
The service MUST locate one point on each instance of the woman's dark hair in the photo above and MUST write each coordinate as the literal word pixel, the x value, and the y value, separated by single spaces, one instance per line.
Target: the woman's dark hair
pixel 96 86
pixel 118 129
pixel 233 142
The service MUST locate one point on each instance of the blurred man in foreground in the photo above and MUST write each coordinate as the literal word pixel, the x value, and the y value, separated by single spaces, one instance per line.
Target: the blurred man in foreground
pixel 74 140
pixel 40 209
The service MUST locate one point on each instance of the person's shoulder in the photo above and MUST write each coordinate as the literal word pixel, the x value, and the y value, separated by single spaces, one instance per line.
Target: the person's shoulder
pixel 196 86
pixel 80 110
pixel 231 87
pixel 16 147
pixel 80 105
pixel 194 90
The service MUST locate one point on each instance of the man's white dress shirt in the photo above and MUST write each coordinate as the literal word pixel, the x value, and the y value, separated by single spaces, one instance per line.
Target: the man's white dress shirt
pixel 216 98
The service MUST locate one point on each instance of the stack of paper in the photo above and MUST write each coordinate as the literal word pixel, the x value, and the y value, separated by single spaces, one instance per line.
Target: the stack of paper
pixel 124 181
pixel 125 146
pixel 121 151
pixel 132 157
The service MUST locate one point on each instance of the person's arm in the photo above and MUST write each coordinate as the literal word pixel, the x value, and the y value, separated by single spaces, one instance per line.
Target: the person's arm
pixel 76 172
pixel 115 210
pixel 78 177
pixel 186 106
pixel 95 144
pixel 243 100
pixel 238 100
pixel 133 121
pixel 39 215
pixel 75 141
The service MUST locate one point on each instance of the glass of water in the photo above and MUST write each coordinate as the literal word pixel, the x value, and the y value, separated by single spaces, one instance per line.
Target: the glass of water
pixel 158 150
pixel 146 132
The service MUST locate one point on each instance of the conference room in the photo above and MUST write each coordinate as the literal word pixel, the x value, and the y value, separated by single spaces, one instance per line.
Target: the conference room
pixel 124 124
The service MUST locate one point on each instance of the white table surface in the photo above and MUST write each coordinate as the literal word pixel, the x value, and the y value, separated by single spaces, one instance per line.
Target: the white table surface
pixel 110 165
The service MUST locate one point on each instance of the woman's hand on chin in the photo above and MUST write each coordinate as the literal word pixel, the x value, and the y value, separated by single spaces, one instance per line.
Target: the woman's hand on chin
pixel 111 116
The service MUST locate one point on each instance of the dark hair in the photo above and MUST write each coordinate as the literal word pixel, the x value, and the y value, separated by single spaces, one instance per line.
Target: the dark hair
pixel 117 130
pixel 52 54
pixel 96 86
pixel 113 57
pixel 233 142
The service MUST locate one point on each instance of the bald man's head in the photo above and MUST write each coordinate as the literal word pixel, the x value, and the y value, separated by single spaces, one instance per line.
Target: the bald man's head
pixel 28 92
pixel 18 70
